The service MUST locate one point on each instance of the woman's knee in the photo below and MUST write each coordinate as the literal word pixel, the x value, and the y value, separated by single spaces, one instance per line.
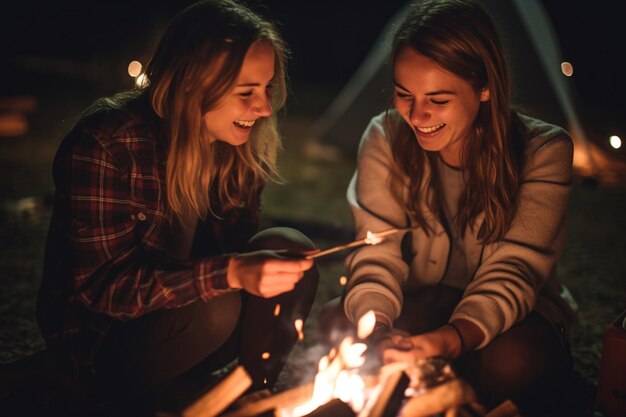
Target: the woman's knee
pixel 522 362
pixel 294 241
pixel 162 345
pixel 280 238
pixel 511 363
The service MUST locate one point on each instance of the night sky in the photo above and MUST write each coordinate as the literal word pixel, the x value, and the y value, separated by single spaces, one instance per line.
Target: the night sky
pixel 328 41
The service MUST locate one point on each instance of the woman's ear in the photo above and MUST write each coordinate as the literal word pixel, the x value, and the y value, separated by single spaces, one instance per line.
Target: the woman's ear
pixel 484 94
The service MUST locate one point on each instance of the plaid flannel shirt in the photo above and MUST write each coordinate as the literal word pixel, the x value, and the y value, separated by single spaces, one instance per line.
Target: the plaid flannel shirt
pixel 106 253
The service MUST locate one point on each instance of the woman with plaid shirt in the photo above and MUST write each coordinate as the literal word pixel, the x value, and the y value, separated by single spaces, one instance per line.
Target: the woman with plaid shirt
pixel 152 266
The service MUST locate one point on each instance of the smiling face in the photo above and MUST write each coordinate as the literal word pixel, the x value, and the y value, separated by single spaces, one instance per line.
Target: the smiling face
pixel 250 99
pixel 439 106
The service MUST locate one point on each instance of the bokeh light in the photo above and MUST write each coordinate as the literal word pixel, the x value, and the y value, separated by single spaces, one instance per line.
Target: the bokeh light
pixel 134 68
pixel 567 68
pixel 615 141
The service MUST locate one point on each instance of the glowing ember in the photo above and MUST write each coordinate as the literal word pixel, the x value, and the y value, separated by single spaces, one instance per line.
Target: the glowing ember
pixel 373 238
pixel 298 324
pixel 366 324
pixel 277 310
pixel 343 281
pixel 265 355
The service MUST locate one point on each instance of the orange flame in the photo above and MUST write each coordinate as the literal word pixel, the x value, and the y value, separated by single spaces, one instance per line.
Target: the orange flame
pixel 298 325
pixel 337 377
pixel 366 324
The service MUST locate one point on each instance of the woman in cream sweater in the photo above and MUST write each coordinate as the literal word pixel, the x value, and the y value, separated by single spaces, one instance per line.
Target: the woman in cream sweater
pixel 484 190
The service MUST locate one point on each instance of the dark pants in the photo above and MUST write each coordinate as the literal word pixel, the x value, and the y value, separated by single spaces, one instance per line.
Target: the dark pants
pixel 528 363
pixel 197 339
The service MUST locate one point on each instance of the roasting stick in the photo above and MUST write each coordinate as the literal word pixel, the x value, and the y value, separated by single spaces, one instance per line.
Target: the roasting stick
pixel 371 239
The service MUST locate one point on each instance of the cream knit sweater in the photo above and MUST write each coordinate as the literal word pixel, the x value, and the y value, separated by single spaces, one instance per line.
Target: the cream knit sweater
pixel 514 275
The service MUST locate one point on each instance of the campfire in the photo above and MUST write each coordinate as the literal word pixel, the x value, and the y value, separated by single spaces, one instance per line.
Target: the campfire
pixel 344 386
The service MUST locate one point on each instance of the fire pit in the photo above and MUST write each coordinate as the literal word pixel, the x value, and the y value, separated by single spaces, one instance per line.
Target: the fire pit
pixel 427 388
pixel 343 386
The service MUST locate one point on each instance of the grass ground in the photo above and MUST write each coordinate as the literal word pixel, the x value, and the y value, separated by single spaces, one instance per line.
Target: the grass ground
pixel 593 264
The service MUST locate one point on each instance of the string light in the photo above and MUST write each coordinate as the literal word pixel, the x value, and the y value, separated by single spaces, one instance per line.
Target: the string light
pixel 615 141
pixel 567 68
pixel 134 69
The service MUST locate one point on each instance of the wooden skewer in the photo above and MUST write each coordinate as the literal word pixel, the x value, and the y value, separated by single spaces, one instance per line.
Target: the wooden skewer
pixel 357 243
pixel 316 253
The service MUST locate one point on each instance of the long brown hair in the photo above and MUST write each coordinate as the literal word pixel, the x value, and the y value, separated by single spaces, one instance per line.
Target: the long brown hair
pixel 460 36
pixel 195 65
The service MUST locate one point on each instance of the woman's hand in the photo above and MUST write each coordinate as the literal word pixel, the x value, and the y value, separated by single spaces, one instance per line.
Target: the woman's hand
pixel 444 342
pixel 265 273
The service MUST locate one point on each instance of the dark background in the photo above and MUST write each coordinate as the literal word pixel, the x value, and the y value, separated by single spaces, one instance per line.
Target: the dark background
pixel 96 40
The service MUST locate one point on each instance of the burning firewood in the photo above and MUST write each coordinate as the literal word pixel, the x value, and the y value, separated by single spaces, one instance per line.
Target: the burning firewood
pixel 221 396
pixel 449 395
pixel 285 399
pixel 334 408
pixel 506 409
pixel 389 399
pixel 417 389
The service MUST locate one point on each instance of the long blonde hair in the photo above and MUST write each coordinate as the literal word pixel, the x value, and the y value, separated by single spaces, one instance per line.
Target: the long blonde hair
pixel 195 65
pixel 460 36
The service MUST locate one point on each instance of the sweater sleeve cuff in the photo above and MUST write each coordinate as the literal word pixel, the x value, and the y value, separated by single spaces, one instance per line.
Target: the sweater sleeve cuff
pixel 357 304
pixel 470 334
pixel 210 277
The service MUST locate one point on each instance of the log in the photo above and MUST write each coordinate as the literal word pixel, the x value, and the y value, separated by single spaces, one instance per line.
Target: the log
pixel 221 395
pixel 286 399
pixel 333 408
pixel 438 399
pixel 475 409
pixel 389 400
pixel 506 409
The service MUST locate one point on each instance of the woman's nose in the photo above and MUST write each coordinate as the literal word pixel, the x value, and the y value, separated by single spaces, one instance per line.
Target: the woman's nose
pixel 418 114
pixel 263 106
